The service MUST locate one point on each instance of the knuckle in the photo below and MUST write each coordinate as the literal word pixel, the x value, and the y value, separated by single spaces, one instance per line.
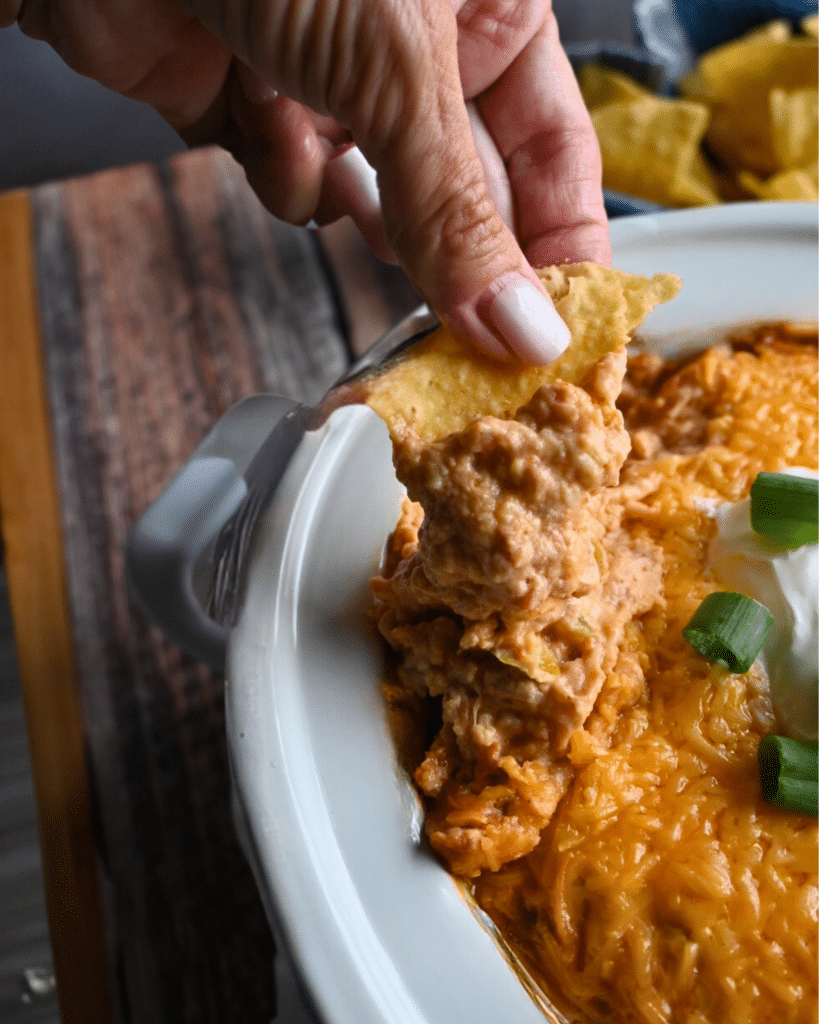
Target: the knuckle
pixel 462 222
pixel 504 23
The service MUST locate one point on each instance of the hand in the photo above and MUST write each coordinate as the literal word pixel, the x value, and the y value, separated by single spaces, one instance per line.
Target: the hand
pixel 288 85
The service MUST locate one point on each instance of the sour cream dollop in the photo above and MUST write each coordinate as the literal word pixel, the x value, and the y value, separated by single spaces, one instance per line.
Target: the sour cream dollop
pixel 786 582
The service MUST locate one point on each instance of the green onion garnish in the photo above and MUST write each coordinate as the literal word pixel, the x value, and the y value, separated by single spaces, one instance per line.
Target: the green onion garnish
pixel 786 508
pixel 729 628
pixel 788 774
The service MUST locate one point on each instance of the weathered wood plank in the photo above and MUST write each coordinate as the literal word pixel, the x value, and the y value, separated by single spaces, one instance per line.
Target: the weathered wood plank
pixel 168 294
pixel 373 294
pixel 24 939
pixel 32 535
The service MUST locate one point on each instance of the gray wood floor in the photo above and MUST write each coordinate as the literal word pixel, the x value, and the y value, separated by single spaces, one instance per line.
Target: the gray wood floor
pixel 27 994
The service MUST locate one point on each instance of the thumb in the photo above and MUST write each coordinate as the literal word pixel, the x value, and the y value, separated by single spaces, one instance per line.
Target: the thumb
pixel 452 241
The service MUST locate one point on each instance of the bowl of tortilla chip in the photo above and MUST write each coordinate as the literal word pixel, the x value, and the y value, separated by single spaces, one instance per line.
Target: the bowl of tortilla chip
pixel 734 118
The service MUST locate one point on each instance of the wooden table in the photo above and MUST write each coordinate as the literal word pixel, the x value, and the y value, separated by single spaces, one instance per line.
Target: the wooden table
pixel 135 307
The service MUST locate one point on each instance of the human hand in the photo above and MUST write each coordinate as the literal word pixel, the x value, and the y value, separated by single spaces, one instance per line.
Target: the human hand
pixel 289 84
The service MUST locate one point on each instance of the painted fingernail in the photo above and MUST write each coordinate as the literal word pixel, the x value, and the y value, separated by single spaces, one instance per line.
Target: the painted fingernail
pixel 355 181
pixel 527 321
pixel 352 182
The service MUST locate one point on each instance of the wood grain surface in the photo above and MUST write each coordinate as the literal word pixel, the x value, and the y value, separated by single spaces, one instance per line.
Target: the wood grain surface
pixel 32 537
pixel 166 294
pixel 27 987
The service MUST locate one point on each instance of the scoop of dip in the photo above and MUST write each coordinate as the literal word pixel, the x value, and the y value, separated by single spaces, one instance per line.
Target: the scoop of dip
pixel 785 581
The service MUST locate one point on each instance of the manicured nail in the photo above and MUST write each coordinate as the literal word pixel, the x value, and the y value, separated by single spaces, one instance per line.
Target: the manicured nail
pixel 527 321
pixel 353 184
pixel 355 181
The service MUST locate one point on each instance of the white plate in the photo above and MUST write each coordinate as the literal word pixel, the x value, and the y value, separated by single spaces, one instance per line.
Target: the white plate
pixel 377 930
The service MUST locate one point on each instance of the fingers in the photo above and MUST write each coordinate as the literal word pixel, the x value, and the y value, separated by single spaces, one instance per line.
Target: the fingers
pixel 389 72
pixel 511 60
pixel 494 169
pixel 279 147
pixel 453 242
pixel 350 187
pixel 539 122
pixel 149 50
pixel 491 34
pixel 301 165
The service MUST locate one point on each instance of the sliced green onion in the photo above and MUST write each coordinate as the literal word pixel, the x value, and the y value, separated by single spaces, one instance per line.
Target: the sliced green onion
pixel 788 774
pixel 786 508
pixel 729 628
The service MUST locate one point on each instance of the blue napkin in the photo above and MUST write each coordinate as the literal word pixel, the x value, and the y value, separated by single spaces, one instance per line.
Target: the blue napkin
pixel 707 23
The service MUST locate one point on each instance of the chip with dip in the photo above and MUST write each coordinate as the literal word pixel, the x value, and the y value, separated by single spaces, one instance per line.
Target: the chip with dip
pixel 589 775
pixel 442 385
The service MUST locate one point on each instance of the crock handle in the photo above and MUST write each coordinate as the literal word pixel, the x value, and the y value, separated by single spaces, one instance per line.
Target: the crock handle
pixel 167 573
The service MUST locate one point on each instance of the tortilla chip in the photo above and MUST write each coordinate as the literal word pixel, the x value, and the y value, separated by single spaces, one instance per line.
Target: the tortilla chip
pixel 702 175
pixel 601 85
pixel 778 30
pixel 650 148
pixel 794 119
pixel 752 104
pixel 735 81
pixel 798 184
pixel 443 384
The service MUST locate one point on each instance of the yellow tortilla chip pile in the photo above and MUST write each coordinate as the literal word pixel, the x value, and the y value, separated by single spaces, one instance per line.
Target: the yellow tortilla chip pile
pixel 751 102
pixel 443 384
pixel 650 145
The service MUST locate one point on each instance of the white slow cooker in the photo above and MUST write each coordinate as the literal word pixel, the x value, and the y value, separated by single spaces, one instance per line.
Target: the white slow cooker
pixel 376 929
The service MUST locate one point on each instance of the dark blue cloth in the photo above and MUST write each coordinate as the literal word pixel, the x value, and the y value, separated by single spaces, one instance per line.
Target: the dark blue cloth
pixel 619 205
pixel 707 23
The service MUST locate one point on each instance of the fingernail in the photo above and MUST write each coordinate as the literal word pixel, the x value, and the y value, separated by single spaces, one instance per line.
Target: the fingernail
pixel 255 89
pixel 355 181
pixel 527 321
